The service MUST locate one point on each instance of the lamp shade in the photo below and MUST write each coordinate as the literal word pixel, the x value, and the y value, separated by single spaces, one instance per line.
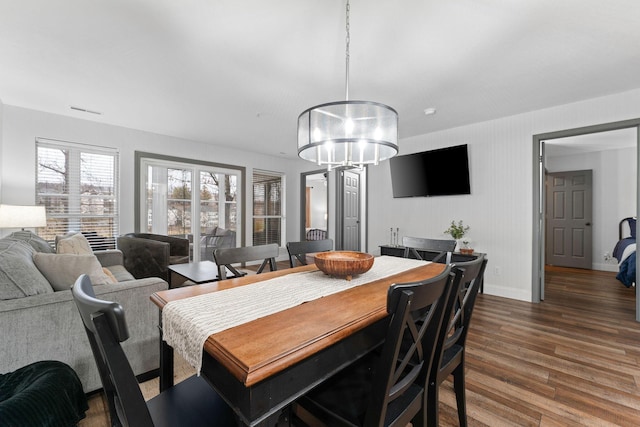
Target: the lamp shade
pixel 348 133
pixel 13 216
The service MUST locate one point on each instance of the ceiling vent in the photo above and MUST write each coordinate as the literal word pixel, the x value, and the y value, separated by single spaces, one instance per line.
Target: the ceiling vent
pixel 84 110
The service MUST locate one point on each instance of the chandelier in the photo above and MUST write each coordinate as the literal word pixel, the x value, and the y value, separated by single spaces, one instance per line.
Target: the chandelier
pixel 348 133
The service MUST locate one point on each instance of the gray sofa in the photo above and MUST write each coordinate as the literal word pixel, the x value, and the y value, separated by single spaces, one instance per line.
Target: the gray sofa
pixel 44 324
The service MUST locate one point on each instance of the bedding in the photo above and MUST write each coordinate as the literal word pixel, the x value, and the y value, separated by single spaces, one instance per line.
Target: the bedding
pixel 625 252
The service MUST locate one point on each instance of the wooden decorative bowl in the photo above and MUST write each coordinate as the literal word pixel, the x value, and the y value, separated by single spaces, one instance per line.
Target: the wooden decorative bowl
pixel 344 263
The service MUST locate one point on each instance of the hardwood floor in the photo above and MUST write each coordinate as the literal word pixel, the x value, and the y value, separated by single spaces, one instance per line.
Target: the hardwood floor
pixel 572 360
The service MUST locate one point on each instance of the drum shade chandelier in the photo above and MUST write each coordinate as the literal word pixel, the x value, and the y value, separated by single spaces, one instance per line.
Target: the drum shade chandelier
pixel 348 133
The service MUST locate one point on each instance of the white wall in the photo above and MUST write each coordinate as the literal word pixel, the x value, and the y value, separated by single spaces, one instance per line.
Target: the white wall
pixel 614 194
pixel 1 145
pixel 20 127
pixel 499 209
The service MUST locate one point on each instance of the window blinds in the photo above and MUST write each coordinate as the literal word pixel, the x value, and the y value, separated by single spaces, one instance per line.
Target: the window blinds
pixel 78 184
pixel 267 208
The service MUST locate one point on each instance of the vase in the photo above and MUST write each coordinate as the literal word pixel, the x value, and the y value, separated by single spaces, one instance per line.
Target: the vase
pixel 463 247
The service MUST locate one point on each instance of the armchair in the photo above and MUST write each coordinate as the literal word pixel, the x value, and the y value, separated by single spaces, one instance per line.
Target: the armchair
pixel 219 238
pixel 149 255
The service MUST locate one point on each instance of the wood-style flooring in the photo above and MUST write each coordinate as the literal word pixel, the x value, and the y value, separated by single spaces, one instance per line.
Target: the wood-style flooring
pixel 572 360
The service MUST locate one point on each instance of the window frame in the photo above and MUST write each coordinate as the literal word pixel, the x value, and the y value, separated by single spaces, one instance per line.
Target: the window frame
pixel 75 196
pixel 142 158
pixel 282 216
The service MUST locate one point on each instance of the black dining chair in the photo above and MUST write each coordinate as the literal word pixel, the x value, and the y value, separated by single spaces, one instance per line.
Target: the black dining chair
pixel 450 350
pixel 298 250
pixel 191 402
pixel 225 258
pixel 387 386
pixel 442 248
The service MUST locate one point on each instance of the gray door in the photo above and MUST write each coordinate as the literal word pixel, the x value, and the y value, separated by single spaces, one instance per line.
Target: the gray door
pixel 568 219
pixel 351 211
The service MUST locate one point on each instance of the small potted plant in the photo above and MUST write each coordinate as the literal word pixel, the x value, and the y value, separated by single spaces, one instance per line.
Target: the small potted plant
pixel 458 231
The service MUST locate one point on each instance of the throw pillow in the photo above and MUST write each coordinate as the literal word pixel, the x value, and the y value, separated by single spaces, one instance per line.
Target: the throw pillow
pixel 62 270
pixel 19 276
pixel 35 241
pixel 109 274
pixel 74 244
pixel 120 273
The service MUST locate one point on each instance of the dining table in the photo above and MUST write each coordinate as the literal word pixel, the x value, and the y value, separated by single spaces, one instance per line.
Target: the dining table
pixel 264 353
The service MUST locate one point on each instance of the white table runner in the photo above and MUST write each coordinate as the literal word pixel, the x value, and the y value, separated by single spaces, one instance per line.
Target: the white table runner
pixel 187 323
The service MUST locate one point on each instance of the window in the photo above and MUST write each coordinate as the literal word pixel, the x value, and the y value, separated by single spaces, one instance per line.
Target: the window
pixel 267 208
pixel 179 191
pixel 78 185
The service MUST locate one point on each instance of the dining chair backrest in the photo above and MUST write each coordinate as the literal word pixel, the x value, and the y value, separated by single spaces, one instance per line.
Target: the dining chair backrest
pixel 442 247
pixel 106 328
pixel 449 357
pixel 472 277
pixel 387 386
pixel 191 402
pixel 409 347
pixel 298 250
pixel 226 257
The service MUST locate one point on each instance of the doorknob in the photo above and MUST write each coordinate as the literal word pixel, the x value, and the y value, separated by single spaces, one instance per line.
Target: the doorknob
pixel 588 224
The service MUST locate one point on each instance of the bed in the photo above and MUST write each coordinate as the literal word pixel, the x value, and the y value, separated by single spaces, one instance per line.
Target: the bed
pixel 625 251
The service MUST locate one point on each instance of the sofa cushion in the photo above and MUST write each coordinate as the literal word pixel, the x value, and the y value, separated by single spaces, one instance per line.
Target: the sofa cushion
pixel 62 270
pixel 19 276
pixel 73 244
pixel 120 273
pixel 35 241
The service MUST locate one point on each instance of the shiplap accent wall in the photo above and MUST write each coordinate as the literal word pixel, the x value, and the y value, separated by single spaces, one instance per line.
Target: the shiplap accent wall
pixel 499 210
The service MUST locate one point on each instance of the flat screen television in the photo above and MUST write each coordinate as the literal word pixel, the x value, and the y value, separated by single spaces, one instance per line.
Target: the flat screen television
pixel 441 172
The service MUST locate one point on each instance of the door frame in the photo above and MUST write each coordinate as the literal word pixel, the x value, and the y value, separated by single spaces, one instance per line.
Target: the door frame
pixel 303 201
pixel 140 191
pixel 539 196
pixel 362 211
pixel 339 243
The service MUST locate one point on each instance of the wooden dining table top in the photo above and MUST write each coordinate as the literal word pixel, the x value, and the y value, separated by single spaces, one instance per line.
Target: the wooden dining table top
pixel 255 350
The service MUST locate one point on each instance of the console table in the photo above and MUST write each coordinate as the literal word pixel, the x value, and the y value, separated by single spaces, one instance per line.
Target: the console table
pixel 428 255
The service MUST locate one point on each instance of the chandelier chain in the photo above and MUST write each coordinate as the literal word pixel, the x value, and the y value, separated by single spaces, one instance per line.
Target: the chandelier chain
pixel 348 134
pixel 347 56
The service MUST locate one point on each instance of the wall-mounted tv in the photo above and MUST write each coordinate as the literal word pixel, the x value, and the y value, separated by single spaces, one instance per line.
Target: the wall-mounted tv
pixel 441 172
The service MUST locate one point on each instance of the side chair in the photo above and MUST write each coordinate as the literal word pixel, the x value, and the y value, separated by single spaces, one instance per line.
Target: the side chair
pixel 387 386
pixel 225 257
pixel 442 247
pixel 450 350
pixel 192 402
pixel 298 250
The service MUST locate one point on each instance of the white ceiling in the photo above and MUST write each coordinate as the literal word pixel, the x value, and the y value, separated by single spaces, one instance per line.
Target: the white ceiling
pixel 593 142
pixel 239 73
